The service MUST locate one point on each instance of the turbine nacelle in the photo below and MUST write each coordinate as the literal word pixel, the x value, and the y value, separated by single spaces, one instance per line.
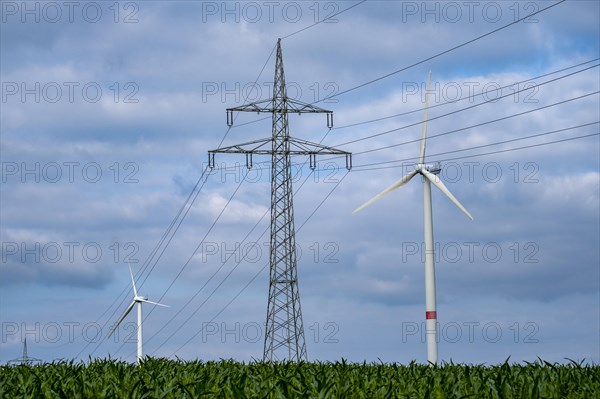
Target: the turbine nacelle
pixel 434 168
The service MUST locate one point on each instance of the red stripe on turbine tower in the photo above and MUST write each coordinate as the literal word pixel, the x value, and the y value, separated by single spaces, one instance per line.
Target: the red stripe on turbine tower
pixel 431 315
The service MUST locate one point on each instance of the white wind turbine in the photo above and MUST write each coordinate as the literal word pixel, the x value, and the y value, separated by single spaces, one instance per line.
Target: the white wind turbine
pixel 429 173
pixel 136 299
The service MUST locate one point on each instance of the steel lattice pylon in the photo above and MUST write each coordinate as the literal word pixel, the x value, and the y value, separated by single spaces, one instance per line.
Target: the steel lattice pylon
pixel 284 333
pixel 25 359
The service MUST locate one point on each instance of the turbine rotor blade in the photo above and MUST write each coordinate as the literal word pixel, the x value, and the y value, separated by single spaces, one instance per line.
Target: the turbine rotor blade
pixel 154 303
pixel 132 281
pixel 438 183
pixel 424 128
pixel 122 318
pixel 391 188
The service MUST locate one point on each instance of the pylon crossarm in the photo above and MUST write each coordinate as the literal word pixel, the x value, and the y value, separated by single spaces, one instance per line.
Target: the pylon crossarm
pixel 260 147
pixel 297 147
pixel 296 106
pixel 304 147
pixel 25 360
pixel 284 107
pixel 255 147
pixel 257 106
pixel 292 106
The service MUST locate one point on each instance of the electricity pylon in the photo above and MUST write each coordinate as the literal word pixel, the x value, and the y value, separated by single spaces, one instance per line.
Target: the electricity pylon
pixel 25 359
pixel 284 332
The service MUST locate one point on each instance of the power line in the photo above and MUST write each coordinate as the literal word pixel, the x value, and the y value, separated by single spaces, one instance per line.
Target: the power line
pixel 460 99
pixel 461 129
pixel 480 146
pixel 435 56
pixel 496 152
pixel 218 313
pixel 467 127
pixel 463 109
pixel 249 122
pixel 456 111
pixel 205 237
pixel 525 147
pixel 323 20
pixel 424 60
pixel 178 225
pixel 456 130
pixel 479 124
pixel 357 168
pixel 439 54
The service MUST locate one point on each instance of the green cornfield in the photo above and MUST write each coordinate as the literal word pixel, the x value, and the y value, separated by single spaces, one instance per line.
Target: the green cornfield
pixel 163 378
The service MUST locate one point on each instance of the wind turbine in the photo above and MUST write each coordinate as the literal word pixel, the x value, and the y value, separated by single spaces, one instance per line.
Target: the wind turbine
pixel 136 299
pixel 429 173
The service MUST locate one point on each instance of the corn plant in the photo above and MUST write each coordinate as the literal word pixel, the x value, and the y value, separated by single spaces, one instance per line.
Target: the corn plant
pixel 164 378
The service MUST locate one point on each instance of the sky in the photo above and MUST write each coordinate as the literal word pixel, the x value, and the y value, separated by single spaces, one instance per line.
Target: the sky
pixel 108 111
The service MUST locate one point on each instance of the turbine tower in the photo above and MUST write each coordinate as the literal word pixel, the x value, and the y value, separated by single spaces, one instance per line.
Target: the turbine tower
pixel 137 299
pixel 429 173
pixel 284 332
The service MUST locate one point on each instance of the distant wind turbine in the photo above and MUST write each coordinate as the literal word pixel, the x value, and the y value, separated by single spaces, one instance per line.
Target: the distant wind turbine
pixel 429 173
pixel 136 299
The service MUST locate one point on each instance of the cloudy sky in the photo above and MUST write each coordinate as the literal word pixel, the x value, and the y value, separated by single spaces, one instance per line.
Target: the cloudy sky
pixel 108 111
